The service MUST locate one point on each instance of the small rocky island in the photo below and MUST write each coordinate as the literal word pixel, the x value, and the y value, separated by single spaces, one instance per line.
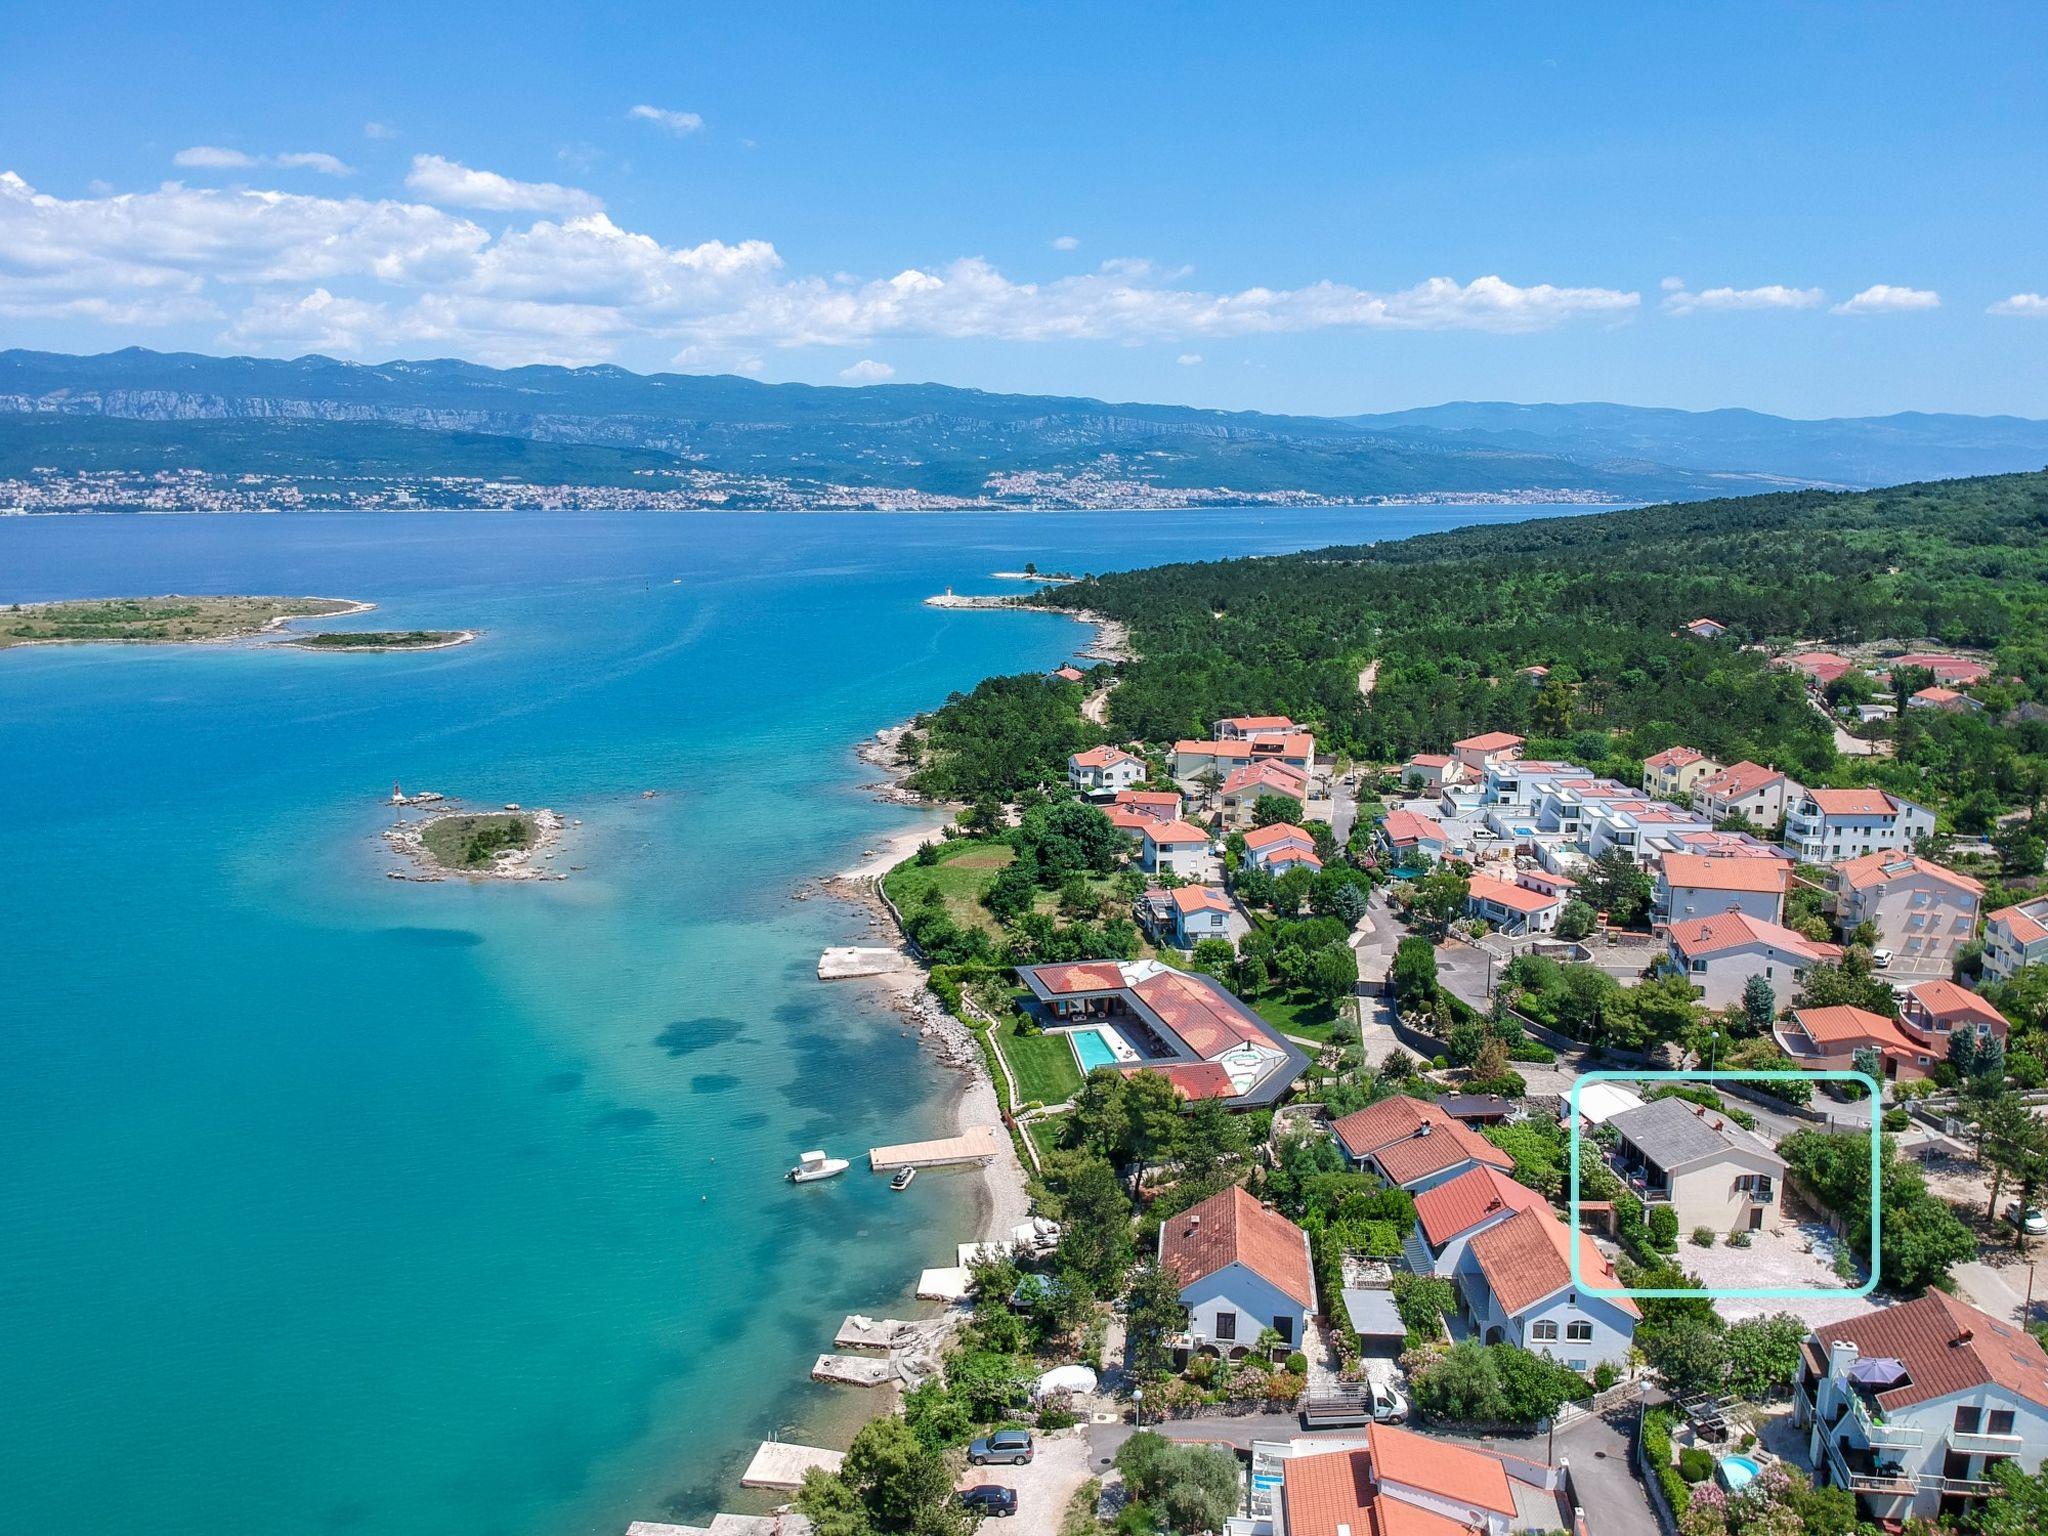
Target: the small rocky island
pixel 382 639
pixel 512 844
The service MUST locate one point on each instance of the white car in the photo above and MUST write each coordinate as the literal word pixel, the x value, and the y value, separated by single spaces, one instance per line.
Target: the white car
pixel 1881 958
pixel 2030 1221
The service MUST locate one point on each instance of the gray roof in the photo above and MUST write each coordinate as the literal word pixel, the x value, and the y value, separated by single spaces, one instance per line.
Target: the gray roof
pixel 1673 1132
pixel 1373 1313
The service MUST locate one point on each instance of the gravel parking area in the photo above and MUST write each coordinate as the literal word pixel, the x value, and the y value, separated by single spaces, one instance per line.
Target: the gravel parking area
pixel 1044 1486
pixel 1801 1256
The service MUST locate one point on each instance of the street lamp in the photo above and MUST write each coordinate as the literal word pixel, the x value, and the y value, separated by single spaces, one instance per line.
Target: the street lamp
pixel 1138 1406
pixel 1713 1044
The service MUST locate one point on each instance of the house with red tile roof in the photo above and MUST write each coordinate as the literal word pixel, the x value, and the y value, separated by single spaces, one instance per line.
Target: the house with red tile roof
pixel 1387 1481
pixel 1475 752
pixel 1819 667
pixel 1413 1145
pixel 1924 912
pixel 1069 673
pixel 1516 906
pixel 1826 826
pixel 1244 786
pixel 1159 804
pixel 1706 629
pixel 1941 1009
pixel 1253 727
pixel 1175 846
pixel 1674 771
pixel 1719 954
pixel 1827 1040
pixel 1198 912
pixel 1515 1281
pixel 1104 770
pixel 1697 885
pixel 1757 794
pixel 2015 936
pixel 1279 848
pixel 1908 1406
pixel 1242 1268
pixel 1947 700
pixel 1449 1215
pixel 1431 770
pixel 1413 840
pixel 1952 671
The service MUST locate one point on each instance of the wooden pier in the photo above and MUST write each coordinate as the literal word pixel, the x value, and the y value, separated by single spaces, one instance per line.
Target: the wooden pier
pixel 976 1144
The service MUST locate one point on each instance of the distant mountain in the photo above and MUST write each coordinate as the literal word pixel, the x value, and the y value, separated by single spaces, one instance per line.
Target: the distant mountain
pixel 1857 451
pixel 130 427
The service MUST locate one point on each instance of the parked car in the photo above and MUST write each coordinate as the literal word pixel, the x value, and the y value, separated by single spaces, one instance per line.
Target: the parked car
pixel 2029 1221
pixel 1881 958
pixel 990 1500
pixel 1010 1445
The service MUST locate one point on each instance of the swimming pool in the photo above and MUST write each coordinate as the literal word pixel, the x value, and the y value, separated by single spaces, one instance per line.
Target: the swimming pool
pixel 1738 1472
pixel 1091 1050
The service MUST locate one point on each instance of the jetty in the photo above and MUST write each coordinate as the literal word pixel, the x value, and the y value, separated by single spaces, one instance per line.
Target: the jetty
pixel 977 1144
pixel 783 1523
pixel 849 961
pixel 781 1464
pixel 859 1332
pixel 948 1284
pixel 853 1370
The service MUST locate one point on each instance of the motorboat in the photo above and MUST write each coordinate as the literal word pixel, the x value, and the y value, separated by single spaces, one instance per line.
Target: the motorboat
pixel 813 1166
pixel 903 1178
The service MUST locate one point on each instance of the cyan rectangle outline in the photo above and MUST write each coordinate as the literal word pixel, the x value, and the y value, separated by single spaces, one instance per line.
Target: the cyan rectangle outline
pixel 1756 1293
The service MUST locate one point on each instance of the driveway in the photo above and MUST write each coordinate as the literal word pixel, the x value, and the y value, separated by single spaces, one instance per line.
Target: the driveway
pixel 1801 1255
pixel 1045 1485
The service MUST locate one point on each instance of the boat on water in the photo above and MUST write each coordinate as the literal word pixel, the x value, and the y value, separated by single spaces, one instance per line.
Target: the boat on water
pixel 813 1166
pixel 903 1178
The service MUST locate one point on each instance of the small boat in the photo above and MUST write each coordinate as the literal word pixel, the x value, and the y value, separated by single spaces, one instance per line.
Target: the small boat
pixel 815 1165
pixel 903 1178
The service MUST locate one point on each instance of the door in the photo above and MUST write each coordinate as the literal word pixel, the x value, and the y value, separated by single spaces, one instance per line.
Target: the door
pixel 1756 1218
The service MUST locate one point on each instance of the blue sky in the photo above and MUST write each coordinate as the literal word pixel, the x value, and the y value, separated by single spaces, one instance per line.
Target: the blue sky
pixel 1812 209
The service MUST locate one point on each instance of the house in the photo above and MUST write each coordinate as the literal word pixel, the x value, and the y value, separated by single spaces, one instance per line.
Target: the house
pixel 1923 913
pixel 1254 727
pixel 1819 667
pixel 1198 912
pixel 1244 787
pixel 1279 848
pixel 1104 770
pixel 1533 674
pixel 1719 955
pixel 1827 1040
pixel 1413 840
pixel 1675 770
pixel 1142 1016
pixel 1152 804
pixel 1430 770
pixel 1477 1110
pixel 1297 749
pixel 2015 936
pixel 1876 709
pixel 1598 1104
pixel 1759 795
pixel 1947 700
pixel 1242 1268
pixel 1941 1009
pixel 1176 847
pixel 1950 671
pixel 1909 1406
pixel 1132 822
pixel 1826 826
pixel 1515 1283
pixel 1706 629
pixel 1387 1481
pixel 1413 1145
pixel 1521 905
pixel 1475 752
pixel 1450 1215
pixel 1639 827
pixel 1069 673
pixel 1696 885
pixel 1710 1171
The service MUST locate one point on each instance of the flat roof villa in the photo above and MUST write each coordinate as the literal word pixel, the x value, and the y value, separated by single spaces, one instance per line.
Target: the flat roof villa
pixel 1141 1016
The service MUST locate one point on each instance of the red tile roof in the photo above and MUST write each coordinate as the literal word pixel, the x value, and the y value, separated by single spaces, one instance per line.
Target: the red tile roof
pixel 1881 868
pixel 1192 1079
pixel 1527 1258
pixel 1129 818
pixel 1155 797
pixel 1391 1133
pixel 1173 834
pixel 1841 1029
pixel 1476 1195
pixel 1090 976
pixel 1262 838
pixel 1699 937
pixel 1675 757
pixel 1737 780
pixel 1429 760
pixel 1103 757
pixel 1505 893
pixel 1342 1491
pixel 1472 1477
pixel 1703 872
pixel 1199 898
pixel 1489 741
pixel 1403 827
pixel 1853 802
pixel 1070 674
pixel 1238 750
pixel 1946 1346
pixel 1281 778
pixel 1950 669
pixel 1257 723
pixel 1203 1015
pixel 1232 1228
pixel 2021 918
pixel 1946 1000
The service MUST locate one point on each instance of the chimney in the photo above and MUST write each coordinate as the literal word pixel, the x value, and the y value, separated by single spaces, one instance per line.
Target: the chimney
pixel 1423 1129
pixel 1841 1355
pixel 1194 1222
pixel 1964 1337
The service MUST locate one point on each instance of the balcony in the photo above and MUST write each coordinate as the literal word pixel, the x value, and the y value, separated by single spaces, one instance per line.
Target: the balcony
pixel 1880 1435
pixel 1984 1445
pixel 1859 1472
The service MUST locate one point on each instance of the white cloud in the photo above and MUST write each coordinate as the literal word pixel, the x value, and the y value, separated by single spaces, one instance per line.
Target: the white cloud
pixel 1887 299
pixel 1066 242
pixel 379 131
pixel 867 371
pixel 2032 305
pixel 1189 359
pixel 211 157
pixel 449 181
pixel 1672 284
pixel 1680 301
pixel 681 124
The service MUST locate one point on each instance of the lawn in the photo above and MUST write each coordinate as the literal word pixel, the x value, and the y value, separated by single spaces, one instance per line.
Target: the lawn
pixel 1043 1065
pixel 966 868
pixel 1298 1013
pixel 1045 1134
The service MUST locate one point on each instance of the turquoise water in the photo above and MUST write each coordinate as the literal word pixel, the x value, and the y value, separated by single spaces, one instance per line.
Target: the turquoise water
pixel 334 1204
pixel 1093 1050
pixel 1738 1472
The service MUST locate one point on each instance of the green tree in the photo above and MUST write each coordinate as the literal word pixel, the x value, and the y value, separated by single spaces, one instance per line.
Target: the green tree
pixel 1576 920
pixel 1463 1385
pixel 890 1483
pixel 1269 810
pixel 1413 973
pixel 1690 1353
pixel 1335 974
pixel 1759 1004
pixel 1095 1240
pixel 2019 1508
pixel 1438 899
pixel 1763 1354
pixel 1619 887
pixel 1154 1314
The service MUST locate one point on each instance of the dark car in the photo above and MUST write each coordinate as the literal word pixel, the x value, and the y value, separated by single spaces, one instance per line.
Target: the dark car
pixel 991 1500
pixel 1011 1445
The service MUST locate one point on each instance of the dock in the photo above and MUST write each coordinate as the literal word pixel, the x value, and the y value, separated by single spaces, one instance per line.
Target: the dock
pixel 976 1144
pixel 859 1332
pixel 853 1370
pixel 780 1464
pixel 948 1284
pixel 848 961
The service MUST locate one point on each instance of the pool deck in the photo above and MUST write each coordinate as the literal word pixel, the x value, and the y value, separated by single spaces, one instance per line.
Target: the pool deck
pixel 976 1144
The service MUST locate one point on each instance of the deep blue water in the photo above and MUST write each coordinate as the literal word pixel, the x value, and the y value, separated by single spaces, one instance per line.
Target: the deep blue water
pixel 334 1204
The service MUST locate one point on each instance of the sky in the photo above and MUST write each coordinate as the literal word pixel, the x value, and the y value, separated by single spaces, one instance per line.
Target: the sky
pixel 1814 210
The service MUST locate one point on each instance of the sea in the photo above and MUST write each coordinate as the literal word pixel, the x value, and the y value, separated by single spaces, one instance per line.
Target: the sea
pixel 337 1205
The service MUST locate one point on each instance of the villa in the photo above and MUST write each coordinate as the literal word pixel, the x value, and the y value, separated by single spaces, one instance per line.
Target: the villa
pixel 1675 770
pixel 1694 885
pixel 1475 752
pixel 1711 1173
pixel 1706 629
pixel 1923 913
pixel 1413 1145
pixel 1104 770
pixel 2015 936
pixel 1175 847
pixel 1757 794
pixel 1244 787
pixel 1515 1282
pixel 1530 903
pixel 1279 848
pixel 1909 1406
pixel 1394 1482
pixel 1941 1009
pixel 1827 826
pixel 1242 1268
pixel 1828 1039
pixel 1719 955
pixel 1413 840
pixel 1141 1016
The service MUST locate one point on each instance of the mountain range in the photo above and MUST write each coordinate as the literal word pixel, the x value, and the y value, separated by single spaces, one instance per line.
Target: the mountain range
pixel 315 421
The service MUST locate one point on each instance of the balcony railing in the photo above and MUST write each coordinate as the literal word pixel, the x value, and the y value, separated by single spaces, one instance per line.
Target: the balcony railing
pixel 1984 1445
pixel 1872 1481
pixel 1882 1435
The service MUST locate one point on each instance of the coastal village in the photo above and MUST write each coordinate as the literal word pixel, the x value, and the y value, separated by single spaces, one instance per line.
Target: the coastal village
pixel 1472 1143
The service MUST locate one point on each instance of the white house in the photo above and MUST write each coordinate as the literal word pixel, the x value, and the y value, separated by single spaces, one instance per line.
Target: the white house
pixel 1413 839
pixel 1522 905
pixel 1430 770
pixel 1674 771
pixel 1199 912
pixel 1759 795
pixel 1923 912
pixel 1279 848
pixel 1254 727
pixel 1826 826
pixel 1710 1171
pixel 1719 955
pixel 1451 1214
pixel 1515 1281
pixel 1908 1406
pixel 1695 885
pixel 1104 770
pixel 2015 936
pixel 1174 846
pixel 1242 1268
pixel 1392 1482
pixel 1475 752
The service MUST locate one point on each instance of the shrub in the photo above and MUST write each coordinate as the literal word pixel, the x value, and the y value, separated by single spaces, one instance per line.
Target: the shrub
pixel 1440 1063
pixel 1664 1229
pixel 1695 1465
pixel 1605 1375
pixel 1895 1119
pixel 1657 1451
pixel 1297 1364
pixel 1739 1238
pixel 1703 1236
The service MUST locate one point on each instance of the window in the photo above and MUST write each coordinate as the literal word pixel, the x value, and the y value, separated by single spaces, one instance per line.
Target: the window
pixel 1544 1330
pixel 1284 1326
pixel 1579 1333
pixel 1226 1325
pixel 1967 1418
pixel 1998 1422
